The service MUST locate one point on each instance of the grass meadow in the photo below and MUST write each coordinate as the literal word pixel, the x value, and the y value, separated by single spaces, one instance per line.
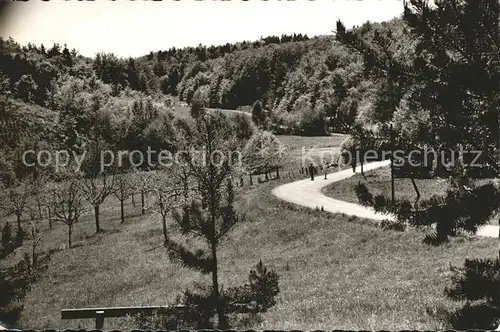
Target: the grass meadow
pixel 336 271
pixel 378 182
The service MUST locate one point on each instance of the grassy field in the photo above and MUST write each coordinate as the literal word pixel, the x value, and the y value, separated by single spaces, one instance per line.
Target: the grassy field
pixel 302 150
pixel 311 148
pixel 379 182
pixel 335 271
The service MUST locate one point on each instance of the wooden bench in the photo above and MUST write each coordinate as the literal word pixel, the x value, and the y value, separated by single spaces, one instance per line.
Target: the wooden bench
pixel 100 313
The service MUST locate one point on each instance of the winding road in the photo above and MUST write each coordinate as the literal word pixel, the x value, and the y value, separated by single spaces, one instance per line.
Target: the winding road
pixel 308 193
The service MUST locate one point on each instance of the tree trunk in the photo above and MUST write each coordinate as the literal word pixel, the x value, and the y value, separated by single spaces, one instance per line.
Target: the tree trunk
pixel 122 212
pixel 133 200
pixel 215 284
pixel 251 180
pixel 416 189
pixel 40 216
pixel 277 172
pixel 33 253
pixel 96 213
pixel 142 203
pixel 49 213
pixel 18 216
pixel 164 221
pixel 70 230
pixel 265 174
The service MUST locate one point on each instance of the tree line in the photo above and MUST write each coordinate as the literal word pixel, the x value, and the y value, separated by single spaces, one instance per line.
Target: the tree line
pixel 308 86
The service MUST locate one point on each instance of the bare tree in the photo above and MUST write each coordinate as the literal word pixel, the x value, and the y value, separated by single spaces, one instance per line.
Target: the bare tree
pixel 46 198
pixel 143 180
pixel 167 193
pixel 68 204
pixel 37 194
pixel 96 188
pixel 35 238
pixel 123 190
pixel 18 197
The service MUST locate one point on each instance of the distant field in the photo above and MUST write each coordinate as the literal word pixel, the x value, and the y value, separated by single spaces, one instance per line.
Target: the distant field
pixel 297 142
pixel 334 270
pixel 184 111
pixel 306 149
pixel 299 146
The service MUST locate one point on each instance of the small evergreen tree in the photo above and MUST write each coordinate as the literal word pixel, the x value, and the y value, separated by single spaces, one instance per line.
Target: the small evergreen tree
pixel 211 214
pixel 477 283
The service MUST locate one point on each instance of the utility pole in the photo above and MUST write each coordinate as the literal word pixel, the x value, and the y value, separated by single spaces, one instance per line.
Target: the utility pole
pixel 392 164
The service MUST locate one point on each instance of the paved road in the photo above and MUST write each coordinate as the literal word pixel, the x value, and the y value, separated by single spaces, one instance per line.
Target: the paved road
pixel 308 193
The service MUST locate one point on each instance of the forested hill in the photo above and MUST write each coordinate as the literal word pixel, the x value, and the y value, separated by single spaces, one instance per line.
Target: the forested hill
pixel 307 85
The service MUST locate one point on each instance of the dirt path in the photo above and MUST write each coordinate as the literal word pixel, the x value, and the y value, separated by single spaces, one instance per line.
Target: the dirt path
pixel 308 193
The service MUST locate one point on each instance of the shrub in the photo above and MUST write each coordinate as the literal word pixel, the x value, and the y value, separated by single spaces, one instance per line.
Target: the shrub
pixel 381 203
pixel 477 282
pixel 363 194
pixel 7 241
pixel 257 296
pixel 261 291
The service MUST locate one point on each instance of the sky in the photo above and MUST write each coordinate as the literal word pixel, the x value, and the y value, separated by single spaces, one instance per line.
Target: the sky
pixel 134 28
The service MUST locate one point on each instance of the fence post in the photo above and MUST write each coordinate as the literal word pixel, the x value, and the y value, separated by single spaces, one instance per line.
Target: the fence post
pixel 99 320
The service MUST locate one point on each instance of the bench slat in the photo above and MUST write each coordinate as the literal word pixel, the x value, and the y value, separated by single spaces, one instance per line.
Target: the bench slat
pixel 113 312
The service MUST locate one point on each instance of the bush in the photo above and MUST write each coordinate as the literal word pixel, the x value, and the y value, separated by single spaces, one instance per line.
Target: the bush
pixel 257 296
pixel 7 241
pixel 363 194
pixel 261 291
pixel 381 203
pixel 477 282
pixel 15 282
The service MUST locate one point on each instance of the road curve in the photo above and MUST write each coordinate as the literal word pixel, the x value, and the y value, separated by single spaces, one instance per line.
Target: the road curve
pixel 308 193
